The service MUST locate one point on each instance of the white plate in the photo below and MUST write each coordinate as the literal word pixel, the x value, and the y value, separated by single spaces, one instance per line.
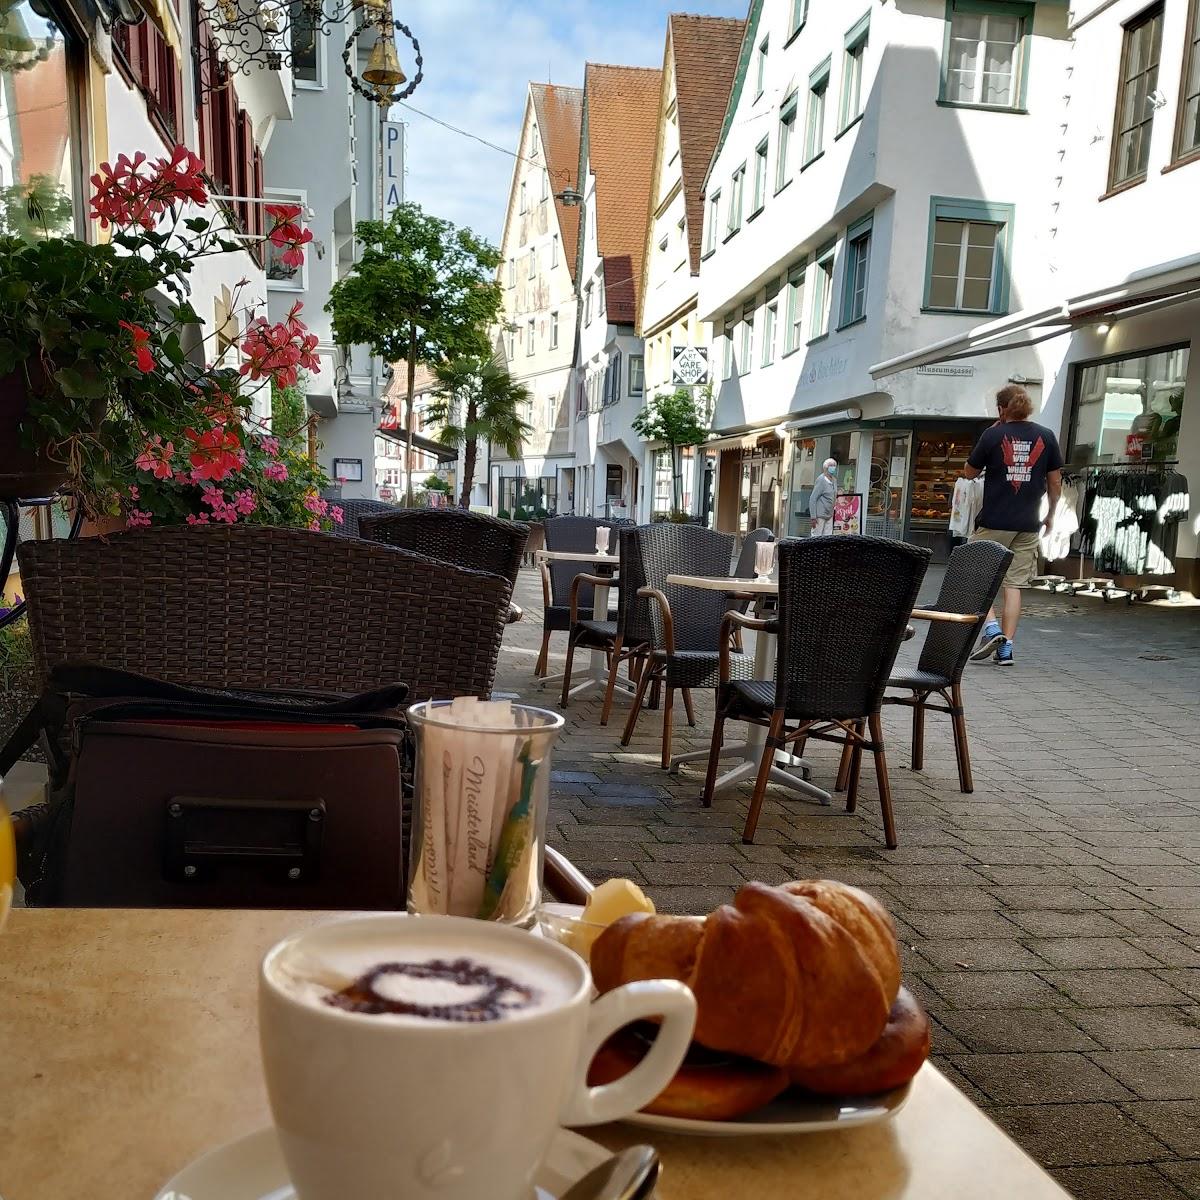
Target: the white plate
pixel 793 1112
pixel 252 1168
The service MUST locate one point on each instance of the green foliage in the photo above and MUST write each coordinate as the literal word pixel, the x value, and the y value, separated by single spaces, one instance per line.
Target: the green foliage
pixel 436 484
pixel 289 413
pixel 679 420
pixel 39 208
pixel 478 400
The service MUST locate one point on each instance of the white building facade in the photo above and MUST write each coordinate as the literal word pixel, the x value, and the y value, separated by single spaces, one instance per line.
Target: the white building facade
pixel 537 274
pixel 867 197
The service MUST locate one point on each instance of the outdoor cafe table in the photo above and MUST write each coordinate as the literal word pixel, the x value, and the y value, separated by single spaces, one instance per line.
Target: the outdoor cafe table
pixel 129 1046
pixel 597 670
pixel 749 752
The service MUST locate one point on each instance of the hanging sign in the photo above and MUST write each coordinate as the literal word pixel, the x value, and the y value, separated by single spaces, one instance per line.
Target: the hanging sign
pixel 393 166
pixel 689 365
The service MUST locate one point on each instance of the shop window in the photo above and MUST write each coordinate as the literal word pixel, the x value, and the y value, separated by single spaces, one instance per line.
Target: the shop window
pixel 1187 138
pixel 888 479
pixel 984 61
pixel 938 461
pixel 1129 410
pixel 858 269
pixel 969 247
pixel 852 72
pixel 814 129
pixel 40 175
pixel 1134 122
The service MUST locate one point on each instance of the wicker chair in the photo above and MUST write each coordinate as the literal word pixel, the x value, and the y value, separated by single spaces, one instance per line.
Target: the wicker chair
pixel 973 578
pixel 566 533
pixel 353 513
pixel 744 569
pixel 844 605
pixel 685 623
pixel 265 608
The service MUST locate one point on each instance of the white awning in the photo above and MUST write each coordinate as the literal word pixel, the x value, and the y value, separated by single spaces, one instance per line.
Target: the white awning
pixel 1144 291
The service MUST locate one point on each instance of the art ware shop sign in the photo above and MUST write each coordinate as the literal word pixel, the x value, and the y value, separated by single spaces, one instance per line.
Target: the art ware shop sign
pixel 689 365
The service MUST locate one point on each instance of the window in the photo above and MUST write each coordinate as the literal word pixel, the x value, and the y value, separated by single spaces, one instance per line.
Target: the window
pixel 602 299
pixel 968 255
pixel 814 130
pixel 512 272
pixel 554 251
pixel 710 229
pixel 787 134
pixel 587 304
pixel 770 320
pixel 535 143
pixel 760 67
pixel 612 379
pixel 282 276
pixel 150 64
pixel 545 185
pixel 554 331
pixel 1187 138
pixel 306 45
pixel 663 243
pixel 637 374
pixel 727 347
pixel 1140 53
pixel 760 177
pixel 509 347
pixel 858 264
pixel 795 309
pixel 799 15
pixel 852 73
pixel 983 57
pixel 524 201
pixel 529 335
pixel 532 262
pixel 737 185
pixel 822 291
pixel 747 338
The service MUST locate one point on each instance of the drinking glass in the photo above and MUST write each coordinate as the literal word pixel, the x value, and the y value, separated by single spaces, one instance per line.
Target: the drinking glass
pixel 764 560
pixel 479 809
pixel 603 534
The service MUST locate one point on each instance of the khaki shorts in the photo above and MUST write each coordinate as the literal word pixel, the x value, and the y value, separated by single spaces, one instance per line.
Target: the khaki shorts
pixel 1024 547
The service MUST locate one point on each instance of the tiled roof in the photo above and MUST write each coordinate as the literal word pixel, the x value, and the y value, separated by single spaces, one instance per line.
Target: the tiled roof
pixel 622 124
pixel 397 389
pixel 705 50
pixel 559 111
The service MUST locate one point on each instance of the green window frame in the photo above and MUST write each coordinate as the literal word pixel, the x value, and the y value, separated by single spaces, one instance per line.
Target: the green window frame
pixel 787 137
pixel 856 276
pixel 814 122
pixel 737 197
pixel 799 16
pixel 853 66
pixel 727 330
pixel 989 13
pixel 760 66
pixel 983 229
pixel 760 176
pixel 794 335
pixel 824 262
pixel 746 345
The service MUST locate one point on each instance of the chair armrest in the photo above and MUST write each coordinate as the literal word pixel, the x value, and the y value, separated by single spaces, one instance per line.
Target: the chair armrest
pixel 649 593
pixel 545 573
pixel 595 581
pixel 564 880
pixel 515 613
pixel 932 614
pixel 733 618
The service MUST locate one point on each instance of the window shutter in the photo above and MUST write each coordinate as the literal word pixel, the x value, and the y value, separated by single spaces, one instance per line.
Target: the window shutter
pixel 245 169
pixel 205 78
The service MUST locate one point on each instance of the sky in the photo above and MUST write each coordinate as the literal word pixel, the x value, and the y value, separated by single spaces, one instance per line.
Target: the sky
pixel 479 58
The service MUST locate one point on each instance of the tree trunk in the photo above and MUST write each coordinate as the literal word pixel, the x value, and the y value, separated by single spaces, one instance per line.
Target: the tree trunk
pixel 470 452
pixel 409 415
pixel 676 480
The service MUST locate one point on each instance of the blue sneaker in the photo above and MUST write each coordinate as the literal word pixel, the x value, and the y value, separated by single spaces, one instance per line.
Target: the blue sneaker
pixel 1004 654
pixel 989 641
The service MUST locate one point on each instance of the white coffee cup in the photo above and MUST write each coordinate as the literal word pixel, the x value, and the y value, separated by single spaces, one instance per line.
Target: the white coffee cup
pixel 372 1107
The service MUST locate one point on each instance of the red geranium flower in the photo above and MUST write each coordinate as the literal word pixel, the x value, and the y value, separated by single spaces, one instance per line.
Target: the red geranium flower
pixel 288 235
pixel 142 357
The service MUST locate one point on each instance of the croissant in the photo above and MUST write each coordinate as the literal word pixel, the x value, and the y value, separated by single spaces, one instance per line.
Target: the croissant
pixel 798 976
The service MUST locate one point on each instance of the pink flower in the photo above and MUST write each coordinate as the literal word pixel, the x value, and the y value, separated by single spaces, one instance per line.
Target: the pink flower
pixel 137 519
pixel 156 458
pixel 278 351
pixel 212 496
pixel 275 471
pixel 315 525
pixel 193 519
pixel 134 492
pixel 244 502
pixel 316 505
pixel 336 515
pixel 270 446
pixel 183 477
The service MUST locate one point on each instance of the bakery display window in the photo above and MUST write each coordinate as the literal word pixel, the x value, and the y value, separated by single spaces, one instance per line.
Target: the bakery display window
pixel 938 461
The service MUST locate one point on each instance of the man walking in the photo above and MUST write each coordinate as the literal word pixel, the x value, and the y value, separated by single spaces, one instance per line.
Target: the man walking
pixel 822 497
pixel 1021 465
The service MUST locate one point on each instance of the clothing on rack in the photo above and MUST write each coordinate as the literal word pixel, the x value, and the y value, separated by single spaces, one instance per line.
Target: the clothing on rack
pixel 965 505
pixel 1057 543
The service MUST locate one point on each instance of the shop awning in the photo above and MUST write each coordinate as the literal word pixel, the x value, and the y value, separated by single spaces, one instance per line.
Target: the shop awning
pixel 424 444
pixel 1144 291
pixel 744 441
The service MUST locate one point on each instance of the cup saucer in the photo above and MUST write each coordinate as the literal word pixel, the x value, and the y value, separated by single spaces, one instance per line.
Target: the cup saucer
pixel 252 1168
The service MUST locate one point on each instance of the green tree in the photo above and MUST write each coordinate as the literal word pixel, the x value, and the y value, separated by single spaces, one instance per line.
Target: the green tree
pixel 476 400
pixel 422 290
pixel 678 419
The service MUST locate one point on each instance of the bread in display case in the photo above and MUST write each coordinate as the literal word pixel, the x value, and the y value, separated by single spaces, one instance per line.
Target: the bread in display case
pixel 938 461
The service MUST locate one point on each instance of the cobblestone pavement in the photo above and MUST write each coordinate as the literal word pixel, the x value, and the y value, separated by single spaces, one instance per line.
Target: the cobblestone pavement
pixel 1051 920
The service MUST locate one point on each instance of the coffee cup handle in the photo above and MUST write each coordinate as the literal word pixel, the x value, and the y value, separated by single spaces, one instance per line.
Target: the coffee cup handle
pixel 665 998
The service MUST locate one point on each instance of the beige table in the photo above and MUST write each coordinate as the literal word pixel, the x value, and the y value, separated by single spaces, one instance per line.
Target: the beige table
pixel 596 673
pixel 129 1046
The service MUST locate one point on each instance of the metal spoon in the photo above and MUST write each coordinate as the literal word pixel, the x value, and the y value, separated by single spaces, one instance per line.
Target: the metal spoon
pixel 630 1175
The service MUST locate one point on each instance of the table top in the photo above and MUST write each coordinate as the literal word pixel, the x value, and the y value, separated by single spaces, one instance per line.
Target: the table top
pixel 593 556
pixel 129 1043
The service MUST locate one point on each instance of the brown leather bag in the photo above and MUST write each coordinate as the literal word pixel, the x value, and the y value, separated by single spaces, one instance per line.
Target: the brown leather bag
pixel 168 796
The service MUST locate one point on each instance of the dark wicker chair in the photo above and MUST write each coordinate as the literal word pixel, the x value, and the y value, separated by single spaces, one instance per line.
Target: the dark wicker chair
pixel 744 569
pixel 566 533
pixel 973 578
pixel 265 608
pixel 685 623
pixel 353 513
pixel 844 604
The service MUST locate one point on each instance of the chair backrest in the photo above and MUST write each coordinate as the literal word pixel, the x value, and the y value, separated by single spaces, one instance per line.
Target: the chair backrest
pixel 453 535
pixel 973 577
pixel 253 607
pixel 633 611
pixel 750 543
pixel 844 604
pixel 666 549
pixel 574 533
pixel 353 511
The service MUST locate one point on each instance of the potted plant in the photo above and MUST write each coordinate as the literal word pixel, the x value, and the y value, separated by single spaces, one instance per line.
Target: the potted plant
pixel 95 337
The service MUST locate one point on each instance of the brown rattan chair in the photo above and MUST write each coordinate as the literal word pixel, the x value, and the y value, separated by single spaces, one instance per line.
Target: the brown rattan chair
pixel 353 512
pixel 973 578
pixel 259 608
pixel 844 604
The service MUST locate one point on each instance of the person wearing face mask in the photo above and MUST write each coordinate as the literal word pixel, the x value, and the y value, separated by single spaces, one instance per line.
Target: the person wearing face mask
pixel 822 497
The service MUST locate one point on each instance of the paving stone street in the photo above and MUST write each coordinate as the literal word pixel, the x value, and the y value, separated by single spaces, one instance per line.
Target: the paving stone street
pixel 1050 920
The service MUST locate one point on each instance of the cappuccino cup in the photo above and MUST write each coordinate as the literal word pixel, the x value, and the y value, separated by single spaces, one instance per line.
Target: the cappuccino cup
pixel 434 1058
